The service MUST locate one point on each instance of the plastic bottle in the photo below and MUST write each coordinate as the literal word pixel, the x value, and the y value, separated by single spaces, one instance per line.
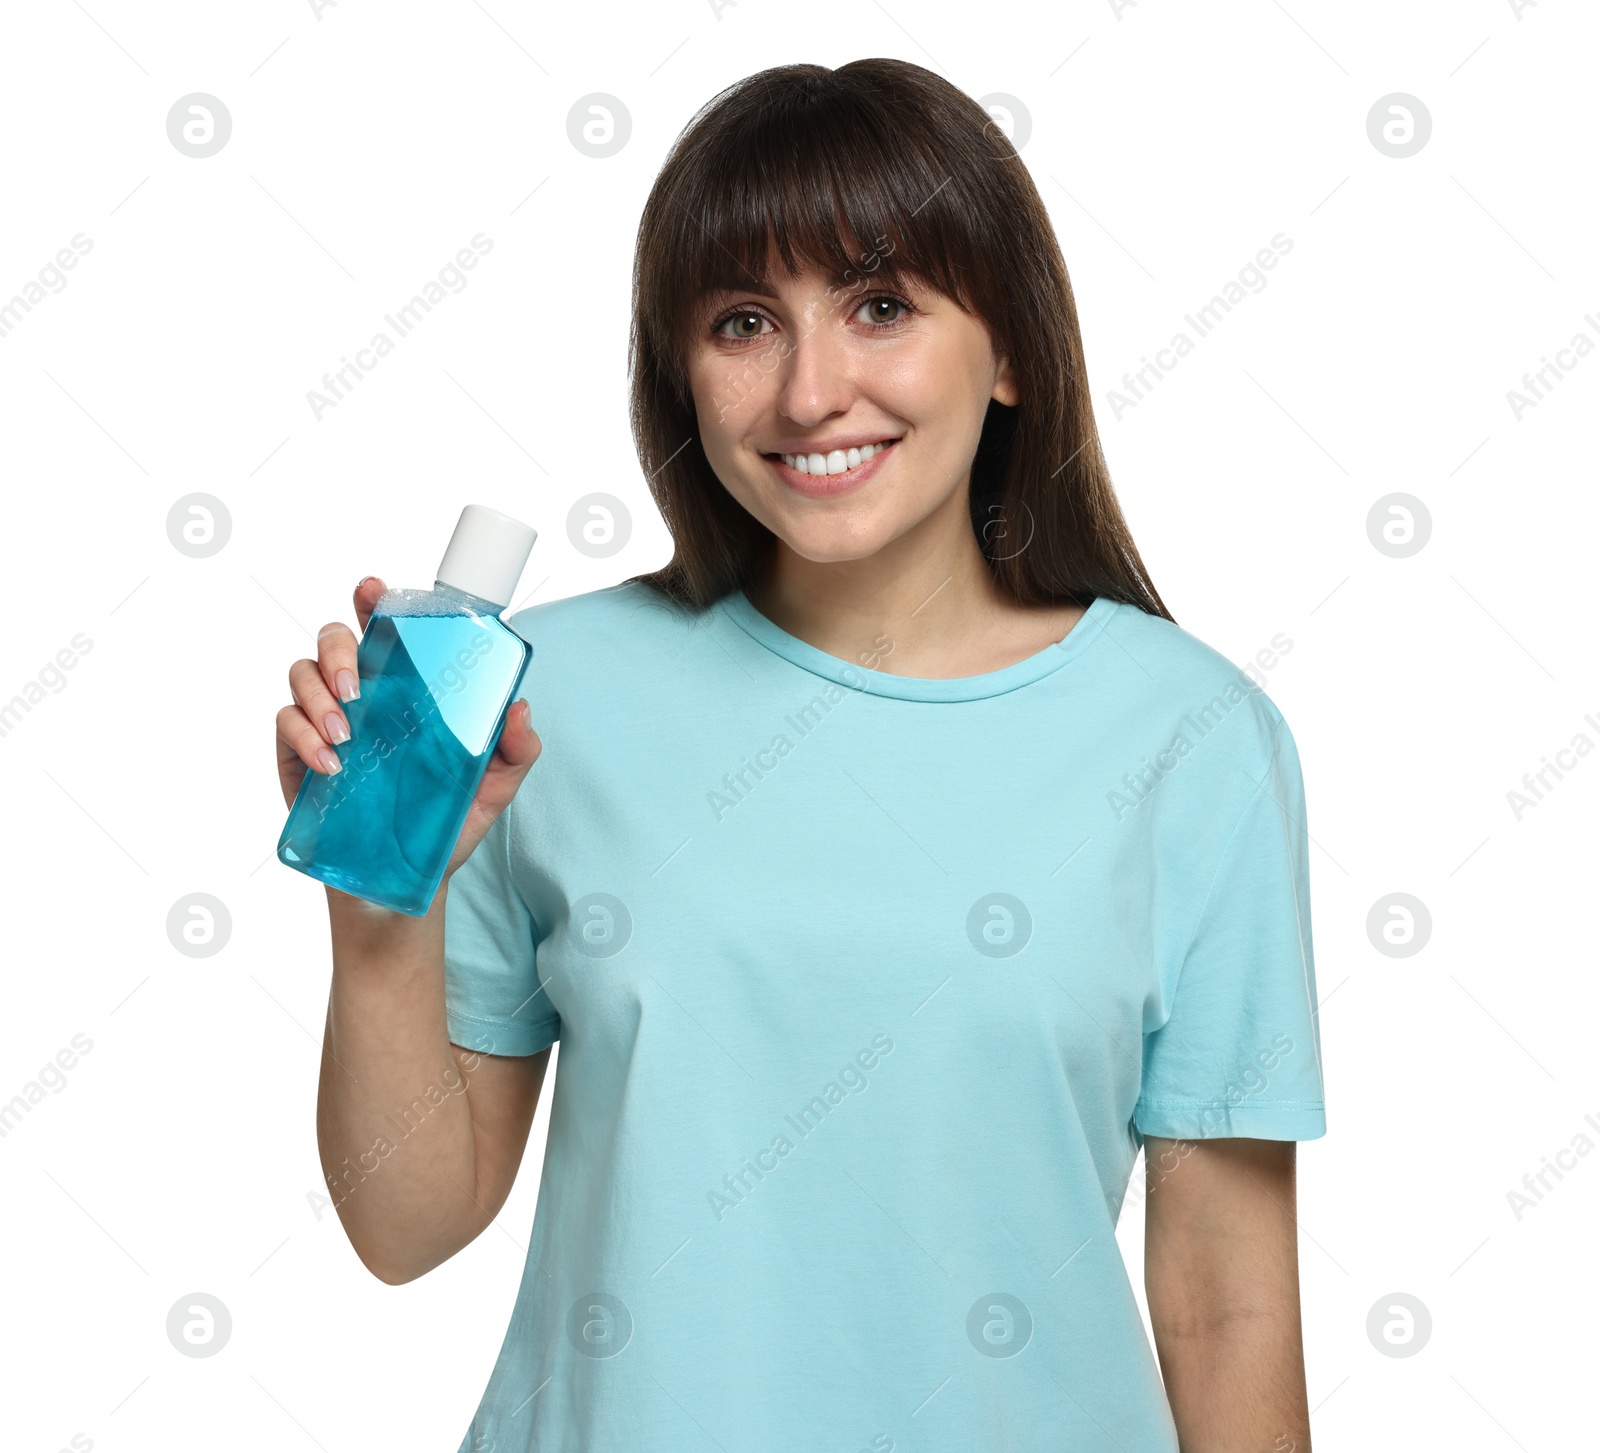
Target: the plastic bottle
pixel 438 671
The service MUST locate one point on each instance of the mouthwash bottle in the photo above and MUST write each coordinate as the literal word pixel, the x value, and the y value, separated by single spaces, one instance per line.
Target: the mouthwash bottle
pixel 438 672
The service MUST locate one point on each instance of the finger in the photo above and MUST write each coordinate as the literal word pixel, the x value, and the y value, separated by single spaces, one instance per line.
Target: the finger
pixel 519 744
pixel 298 738
pixel 336 659
pixel 309 688
pixel 367 592
pixel 518 749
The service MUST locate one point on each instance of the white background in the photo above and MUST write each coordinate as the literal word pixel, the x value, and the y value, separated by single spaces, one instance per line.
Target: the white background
pixel 1170 143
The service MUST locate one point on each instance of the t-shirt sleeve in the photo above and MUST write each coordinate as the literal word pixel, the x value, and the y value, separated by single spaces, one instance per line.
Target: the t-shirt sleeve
pixel 494 1000
pixel 1240 1053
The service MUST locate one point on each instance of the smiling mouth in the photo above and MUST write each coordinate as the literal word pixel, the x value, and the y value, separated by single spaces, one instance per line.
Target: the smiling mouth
pixel 837 461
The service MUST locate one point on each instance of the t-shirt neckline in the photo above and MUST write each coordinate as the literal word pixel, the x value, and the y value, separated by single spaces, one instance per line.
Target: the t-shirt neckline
pixel 921 688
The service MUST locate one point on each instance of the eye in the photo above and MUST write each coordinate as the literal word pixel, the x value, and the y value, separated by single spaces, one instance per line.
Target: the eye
pixel 744 324
pixel 740 324
pixel 883 310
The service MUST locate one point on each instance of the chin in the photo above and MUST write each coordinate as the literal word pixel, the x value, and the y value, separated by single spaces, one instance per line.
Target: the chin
pixel 837 545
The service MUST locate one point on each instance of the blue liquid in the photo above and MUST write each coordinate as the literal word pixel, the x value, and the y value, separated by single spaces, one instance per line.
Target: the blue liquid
pixel 434 694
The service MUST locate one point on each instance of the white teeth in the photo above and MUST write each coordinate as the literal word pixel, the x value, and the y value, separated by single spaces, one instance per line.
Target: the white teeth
pixel 836 462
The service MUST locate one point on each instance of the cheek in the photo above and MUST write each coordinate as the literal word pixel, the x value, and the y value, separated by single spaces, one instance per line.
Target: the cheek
pixel 729 395
pixel 958 392
pixel 725 381
pixel 714 438
pixel 940 391
pixel 727 409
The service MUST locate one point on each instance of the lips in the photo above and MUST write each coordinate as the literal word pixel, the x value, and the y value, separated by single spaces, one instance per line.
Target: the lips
pixel 835 461
pixel 824 483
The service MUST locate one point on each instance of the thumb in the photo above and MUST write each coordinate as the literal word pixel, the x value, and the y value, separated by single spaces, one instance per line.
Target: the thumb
pixel 367 592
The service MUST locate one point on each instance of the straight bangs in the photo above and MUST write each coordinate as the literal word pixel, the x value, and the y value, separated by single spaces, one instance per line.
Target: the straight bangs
pixel 817 173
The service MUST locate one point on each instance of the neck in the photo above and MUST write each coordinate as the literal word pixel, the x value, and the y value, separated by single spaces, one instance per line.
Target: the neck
pixel 921 605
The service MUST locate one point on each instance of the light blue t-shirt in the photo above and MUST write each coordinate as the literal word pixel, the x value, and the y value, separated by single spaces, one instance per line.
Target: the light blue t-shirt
pixel 868 988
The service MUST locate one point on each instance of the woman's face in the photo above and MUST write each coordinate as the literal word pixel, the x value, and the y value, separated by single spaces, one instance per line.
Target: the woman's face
pixel 842 416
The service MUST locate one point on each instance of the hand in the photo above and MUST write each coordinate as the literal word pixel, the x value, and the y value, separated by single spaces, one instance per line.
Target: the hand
pixel 308 729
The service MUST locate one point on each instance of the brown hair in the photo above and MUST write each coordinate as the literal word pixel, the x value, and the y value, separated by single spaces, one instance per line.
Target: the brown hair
pixel 884 168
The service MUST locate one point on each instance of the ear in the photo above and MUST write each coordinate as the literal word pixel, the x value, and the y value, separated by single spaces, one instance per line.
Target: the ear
pixel 1005 385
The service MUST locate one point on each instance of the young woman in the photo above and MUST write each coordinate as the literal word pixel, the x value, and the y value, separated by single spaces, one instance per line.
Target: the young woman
pixel 894 869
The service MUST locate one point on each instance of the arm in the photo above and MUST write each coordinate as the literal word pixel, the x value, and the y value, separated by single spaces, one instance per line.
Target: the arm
pixel 1222 1280
pixel 420 1140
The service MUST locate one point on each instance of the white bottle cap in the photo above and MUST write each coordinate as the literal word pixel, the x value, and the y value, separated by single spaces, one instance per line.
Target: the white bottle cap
pixel 486 554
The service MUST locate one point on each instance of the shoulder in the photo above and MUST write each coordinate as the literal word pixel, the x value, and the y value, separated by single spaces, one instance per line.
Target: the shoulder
pixel 627 614
pixel 610 643
pixel 1171 675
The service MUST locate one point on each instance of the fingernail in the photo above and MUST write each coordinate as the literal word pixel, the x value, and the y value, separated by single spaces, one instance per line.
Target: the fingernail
pixel 329 760
pixel 527 712
pixel 337 730
pixel 364 579
pixel 349 687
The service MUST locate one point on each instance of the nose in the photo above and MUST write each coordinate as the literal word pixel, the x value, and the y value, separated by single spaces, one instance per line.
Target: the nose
pixel 816 381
